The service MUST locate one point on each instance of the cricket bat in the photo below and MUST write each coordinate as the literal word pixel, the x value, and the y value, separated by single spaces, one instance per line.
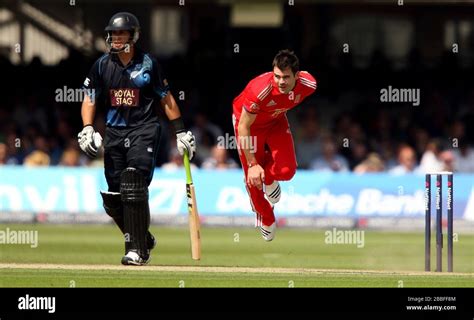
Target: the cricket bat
pixel 194 224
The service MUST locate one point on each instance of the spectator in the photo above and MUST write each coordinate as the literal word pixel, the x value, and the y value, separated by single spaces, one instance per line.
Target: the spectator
pixel 205 148
pixel 464 158
pixel 358 153
pixel 176 162
pixel 37 158
pixel 55 150
pixel 430 161
pixel 308 145
pixel 386 151
pixel 39 155
pixel 219 160
pixel 330 159
pixel 447 159
pixel 202 125
pixel 406 161
pixel 14 147
pixel 5 157
pixel 421 140
pixel 63 132
pixel 70 158
pixel 206 135
pixel 373 163
pixel 72 144
pixel 3 154
pixel 41 144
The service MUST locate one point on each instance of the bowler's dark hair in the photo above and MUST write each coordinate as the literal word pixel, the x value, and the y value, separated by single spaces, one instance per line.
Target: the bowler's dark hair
pixel 286 59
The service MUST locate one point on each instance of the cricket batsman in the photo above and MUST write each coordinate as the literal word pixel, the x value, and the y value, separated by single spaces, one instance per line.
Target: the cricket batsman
pixel 126 82
pixel 265 143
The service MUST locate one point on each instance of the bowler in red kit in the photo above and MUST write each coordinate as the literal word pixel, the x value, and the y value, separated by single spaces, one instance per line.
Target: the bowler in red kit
pixel 265 142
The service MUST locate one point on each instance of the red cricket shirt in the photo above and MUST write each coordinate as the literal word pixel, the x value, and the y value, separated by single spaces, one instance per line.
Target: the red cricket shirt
pixel 262 97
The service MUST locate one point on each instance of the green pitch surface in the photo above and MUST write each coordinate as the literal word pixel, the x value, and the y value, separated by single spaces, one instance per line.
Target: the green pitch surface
pixel 89 256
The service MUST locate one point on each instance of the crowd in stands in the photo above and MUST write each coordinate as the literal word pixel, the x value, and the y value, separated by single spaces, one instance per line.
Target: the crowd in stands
pixel 339 129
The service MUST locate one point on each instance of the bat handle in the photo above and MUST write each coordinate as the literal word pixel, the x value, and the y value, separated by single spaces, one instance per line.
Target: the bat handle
pixel 187 167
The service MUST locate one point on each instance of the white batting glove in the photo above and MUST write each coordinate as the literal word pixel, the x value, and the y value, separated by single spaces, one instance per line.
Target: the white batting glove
pixel 89 141
pixel 186 141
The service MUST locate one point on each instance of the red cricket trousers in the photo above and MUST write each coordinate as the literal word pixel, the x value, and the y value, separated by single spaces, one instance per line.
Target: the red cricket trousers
pixel 275 152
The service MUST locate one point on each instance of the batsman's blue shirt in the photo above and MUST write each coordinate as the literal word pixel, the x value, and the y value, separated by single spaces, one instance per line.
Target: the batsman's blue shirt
pixel 127 92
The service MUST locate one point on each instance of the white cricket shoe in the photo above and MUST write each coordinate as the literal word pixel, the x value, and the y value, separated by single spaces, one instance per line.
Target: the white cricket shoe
pixel 268 232
pixel 273 192
pixel 133 258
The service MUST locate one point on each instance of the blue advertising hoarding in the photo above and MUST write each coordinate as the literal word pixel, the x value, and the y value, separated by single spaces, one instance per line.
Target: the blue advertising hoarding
pixel 309 193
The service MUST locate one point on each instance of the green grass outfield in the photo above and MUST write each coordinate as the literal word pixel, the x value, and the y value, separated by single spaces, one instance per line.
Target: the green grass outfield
pixel 89 256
